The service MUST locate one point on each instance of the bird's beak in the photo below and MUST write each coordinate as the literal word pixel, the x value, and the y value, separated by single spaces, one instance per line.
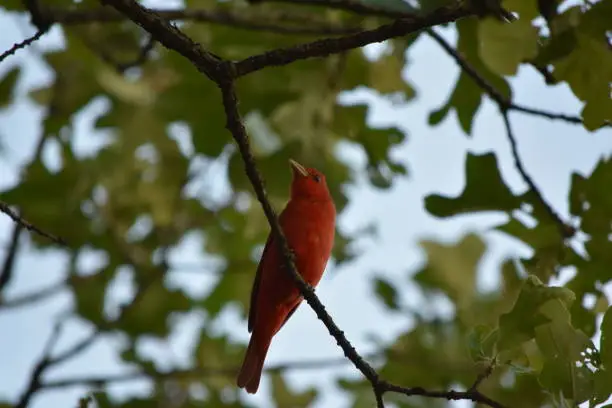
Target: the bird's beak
pixel 298 167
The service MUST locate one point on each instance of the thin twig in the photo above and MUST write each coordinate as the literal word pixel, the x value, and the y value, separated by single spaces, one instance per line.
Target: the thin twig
pixel 566 231
pixel 5 208
pixel 17 46
pixel 475 396
pixel 8 266
pixel 43 363
pixel 33 297
pixel 76 348
pixel 197 372
pixel 329 46
pixel 280 23
pixel 486 373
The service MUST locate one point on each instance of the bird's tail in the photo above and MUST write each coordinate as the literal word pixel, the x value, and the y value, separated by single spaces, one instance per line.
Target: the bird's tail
pixel 252 366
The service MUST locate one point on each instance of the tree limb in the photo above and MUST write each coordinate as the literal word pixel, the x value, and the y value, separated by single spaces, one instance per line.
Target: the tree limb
pixel 43 363
pixel 329 46
pixel 23 44
pixel 281 23
pixel 197 372
pixel 5 208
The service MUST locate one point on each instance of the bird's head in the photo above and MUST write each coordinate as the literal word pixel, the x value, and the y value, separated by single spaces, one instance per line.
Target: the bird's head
pixel 307 182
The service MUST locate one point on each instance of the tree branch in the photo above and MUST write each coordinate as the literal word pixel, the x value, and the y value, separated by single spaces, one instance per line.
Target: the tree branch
pixel 5 208
pixel 281 23
pixel 329 46
pixel 6 274
pixel 9 262
pixel 196 372
pixel 34 296
pixel 43 363
pixel 17 46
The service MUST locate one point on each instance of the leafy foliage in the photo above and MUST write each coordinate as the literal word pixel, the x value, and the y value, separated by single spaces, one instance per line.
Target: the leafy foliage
pixel 151 183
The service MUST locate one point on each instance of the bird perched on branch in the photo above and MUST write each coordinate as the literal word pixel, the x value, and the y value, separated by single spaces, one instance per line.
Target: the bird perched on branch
pixel 308 223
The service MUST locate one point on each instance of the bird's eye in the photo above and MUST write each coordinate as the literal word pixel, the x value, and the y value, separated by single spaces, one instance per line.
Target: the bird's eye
pixel 316 178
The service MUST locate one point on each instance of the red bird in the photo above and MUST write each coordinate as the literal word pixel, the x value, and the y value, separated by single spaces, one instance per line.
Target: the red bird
pixel 308 222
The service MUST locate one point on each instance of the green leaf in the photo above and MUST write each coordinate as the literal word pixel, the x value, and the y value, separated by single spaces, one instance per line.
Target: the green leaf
pixel 518 325
pixel 606 340
pixel 503 47
pixel 90 293
pixel 7 86
pixel 452 268
pixel 592 203
pixel 527 9
pixel 482 341
pixel 217 352
pixel 284 397
pixel 484 190
pixel 602 388
pixel 386 292
pixel 563 347
pixel 153 307
pixel 589 82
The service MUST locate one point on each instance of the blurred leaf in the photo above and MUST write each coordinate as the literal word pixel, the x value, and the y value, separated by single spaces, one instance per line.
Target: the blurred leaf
pixel 590 82
pixel 452 268
pixel 63 192
pixel 7 86
pixel 482 341
pixel 563 347
pixel 503 47
pixel 284 397
pixel 484 190
pixel 386 292
pixel 153 307
pixel 518 325
pixel 90 293
pixel 606 340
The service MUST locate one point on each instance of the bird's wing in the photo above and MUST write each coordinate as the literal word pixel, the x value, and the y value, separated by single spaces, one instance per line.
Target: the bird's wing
pixel 255 289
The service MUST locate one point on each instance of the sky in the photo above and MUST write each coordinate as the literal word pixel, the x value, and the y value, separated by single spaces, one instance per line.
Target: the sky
pixel 435 157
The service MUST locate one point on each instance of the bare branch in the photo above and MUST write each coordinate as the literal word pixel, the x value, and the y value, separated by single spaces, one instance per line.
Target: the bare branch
pixel 17 46
pixel 9 262
pixel 197 372
pixel 76 348
pixel 486 373
pixel 33 297
pixel 8 266
pixel 43 363
pixel 5 208
pixel 347 5
pixel 276 22
pixel 329 46
pixel 566 230
pixel 451 395
pixel 38 17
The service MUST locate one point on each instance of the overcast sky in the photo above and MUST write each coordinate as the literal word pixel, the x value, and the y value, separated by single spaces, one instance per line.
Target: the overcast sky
pixel 551 151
